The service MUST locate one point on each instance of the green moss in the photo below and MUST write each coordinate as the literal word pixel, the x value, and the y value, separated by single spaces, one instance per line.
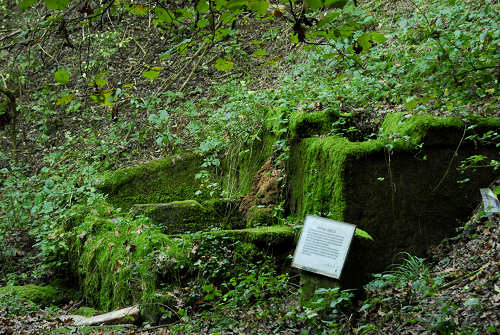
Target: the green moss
pixel 261 236
pixel 176 217
pixel 317 178
pixel 409 132
pixel 400 188
pixel 41 295
pixel 159 181
pixel 114 258
pixel 431 130
pixel 189 215
pixel 304 124
pixel 241 169
pixel 260 216
pixel 121 260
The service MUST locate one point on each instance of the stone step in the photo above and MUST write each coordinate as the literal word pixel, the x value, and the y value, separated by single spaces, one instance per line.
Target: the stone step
pixel 190 215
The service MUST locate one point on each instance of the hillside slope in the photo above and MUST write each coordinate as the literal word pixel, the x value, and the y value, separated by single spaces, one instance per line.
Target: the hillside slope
pixel 122 91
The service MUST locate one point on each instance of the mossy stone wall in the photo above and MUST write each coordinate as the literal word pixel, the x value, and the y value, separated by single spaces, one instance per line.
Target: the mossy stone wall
pixel 159 181
pixel 407 199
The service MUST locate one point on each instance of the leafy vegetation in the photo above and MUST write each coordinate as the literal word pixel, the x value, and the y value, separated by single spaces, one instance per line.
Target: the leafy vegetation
pixel 88 87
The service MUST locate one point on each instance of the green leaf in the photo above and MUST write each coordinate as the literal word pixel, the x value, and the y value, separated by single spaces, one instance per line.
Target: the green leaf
pixel 151 75
pixel 329 17
pixel 224 64
pixel 378 37
pixel 203 23
pixel 100 82
pixel 202 6
pixel 335 3
pixel 472 302
pixel 139 9
pixel 62 77
pixel 363 234
pixel 237 5
pixel 259 53
pixel 25 4
pixel 411 104
pixel 56 4
pixel 107 97
pixel 364 41
pixel 258 6
pixel 348 29
pixel 294 38
pixel 163 16
pixel 65 100
pixel 497 192
pixel 314 4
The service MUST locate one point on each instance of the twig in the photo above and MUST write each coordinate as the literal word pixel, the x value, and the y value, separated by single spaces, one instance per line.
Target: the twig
pixel 176 76
pixel 45 52
pixel 142 49
pixel 10 35
pixel 194 69
pixel 451 161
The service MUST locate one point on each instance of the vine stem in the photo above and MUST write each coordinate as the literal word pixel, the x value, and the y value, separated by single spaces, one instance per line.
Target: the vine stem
pixel 451 161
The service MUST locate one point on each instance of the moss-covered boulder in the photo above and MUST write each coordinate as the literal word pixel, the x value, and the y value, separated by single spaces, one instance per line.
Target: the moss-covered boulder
pixel 190 216
pixel 41 295
pixel 402 188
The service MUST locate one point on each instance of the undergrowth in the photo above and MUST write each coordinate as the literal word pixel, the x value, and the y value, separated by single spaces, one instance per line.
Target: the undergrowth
pixel 438 57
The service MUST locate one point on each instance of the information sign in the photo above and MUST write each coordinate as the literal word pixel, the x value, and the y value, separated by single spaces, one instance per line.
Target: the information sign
pixel 323 246
pixel 490 201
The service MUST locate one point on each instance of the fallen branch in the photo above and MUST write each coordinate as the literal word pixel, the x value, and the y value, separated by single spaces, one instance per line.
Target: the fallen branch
pixel 120 316
pixel 194 68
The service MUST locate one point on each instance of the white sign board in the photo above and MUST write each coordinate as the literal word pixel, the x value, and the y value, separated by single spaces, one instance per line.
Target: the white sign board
pixel 490 201
pixel 323 246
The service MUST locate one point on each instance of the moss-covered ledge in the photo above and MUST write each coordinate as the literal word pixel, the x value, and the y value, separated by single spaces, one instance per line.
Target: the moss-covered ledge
pixel 408 132
pixel 159 181
pixel 191 216
pixel 305 124
pixel 401 188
